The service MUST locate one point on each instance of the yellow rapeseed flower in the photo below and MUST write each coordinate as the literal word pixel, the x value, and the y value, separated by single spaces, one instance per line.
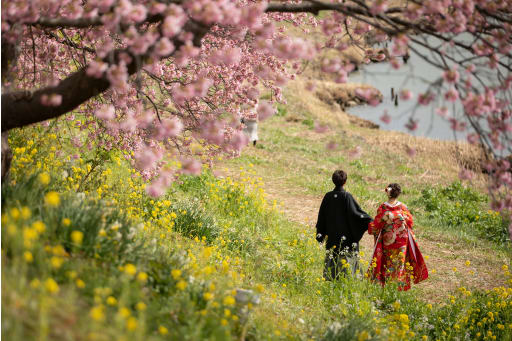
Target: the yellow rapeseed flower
pixel 28 256
pixel 51 286
pixel 25 212
pixel 15 213
pixel 130 269
pixel 66 222
pixel 208 296
pixel 56 262
pixel 228 300
pixel 124 312
pixel 79 283
pixel 363 336
pixel 224 322
pixel 39 226
pixel 34 284
pixel 44 178
pixel 162 330
pixel 176 273
pixel 142 277
pixel 181 285
pixel 111 300
pixel 77 237
pixel 97 313
pixel 141 306
pixel 131 323
pixel 52 199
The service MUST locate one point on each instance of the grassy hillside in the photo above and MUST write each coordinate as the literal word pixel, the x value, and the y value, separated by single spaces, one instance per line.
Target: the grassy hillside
pixel 109 262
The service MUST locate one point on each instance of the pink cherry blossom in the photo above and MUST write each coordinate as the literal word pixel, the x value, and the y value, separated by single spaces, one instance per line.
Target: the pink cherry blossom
pixel 190 166
pixel 164 47
pixel 169 128
pixel 96 69
pixel 355 153
pixel 146 158
pixel 174 22
pixel 378 6
pixel 412 124
pixel 411 151
pixel 451 76
pixel 385 118
pixel 321 128
pixel 105 112
pixel 370 95
pixel 443 112
pixel 425 99
pixel 465 174
pixel 405 95
pixel 265 110
pixel 451 95
pixel 331 145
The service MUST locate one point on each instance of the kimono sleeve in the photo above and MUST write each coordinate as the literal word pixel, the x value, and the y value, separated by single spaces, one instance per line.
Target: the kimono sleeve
pixel 321 222
pixel 377 224
pixel 357 218
pixel 408 217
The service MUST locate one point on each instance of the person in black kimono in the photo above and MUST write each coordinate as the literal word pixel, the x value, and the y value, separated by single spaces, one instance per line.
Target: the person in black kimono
pixel 343 223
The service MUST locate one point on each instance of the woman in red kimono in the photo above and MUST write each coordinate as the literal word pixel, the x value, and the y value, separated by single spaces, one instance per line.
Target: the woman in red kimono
pixel 396 256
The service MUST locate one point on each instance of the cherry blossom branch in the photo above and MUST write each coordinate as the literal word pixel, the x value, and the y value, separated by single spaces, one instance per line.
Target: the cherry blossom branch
pixel 24 107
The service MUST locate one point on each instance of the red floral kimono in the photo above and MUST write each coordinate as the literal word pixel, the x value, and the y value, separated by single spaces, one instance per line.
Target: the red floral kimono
pixel 396 254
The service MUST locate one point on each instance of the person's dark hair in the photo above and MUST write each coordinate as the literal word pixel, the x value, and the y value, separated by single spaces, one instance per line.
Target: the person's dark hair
pixel 394 190
pixel 339 178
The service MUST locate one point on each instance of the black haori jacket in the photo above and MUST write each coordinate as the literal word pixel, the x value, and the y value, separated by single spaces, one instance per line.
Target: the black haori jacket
pixel 342 220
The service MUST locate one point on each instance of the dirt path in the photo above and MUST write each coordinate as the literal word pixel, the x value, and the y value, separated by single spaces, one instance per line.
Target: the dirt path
pixel 446 256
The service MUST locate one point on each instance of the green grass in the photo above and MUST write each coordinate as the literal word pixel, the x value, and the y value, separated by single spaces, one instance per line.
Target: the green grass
pixel 224 234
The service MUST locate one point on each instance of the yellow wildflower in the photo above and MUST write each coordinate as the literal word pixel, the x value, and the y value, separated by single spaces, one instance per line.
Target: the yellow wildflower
pixel 25 212
pixel 56 262
pixel 51 286
pixel 130 269
pixel 142 277
pixel 28 256
pixel 52 199
pixel 79 283
pixel 44 178
pixel 181 285
pixel 111 300
pixel 131 323
pixel 39 226
pixel 176 273
pixel 141 306
pixel 77 237
pixel 97 313
pixel 162 330
pixel 15 213
pixel 66 222
pixel 34 284
pixel 124 312
pixel 363 336
pixel 229 300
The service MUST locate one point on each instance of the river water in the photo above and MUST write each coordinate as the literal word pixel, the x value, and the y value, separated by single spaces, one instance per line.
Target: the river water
pixel 414 76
